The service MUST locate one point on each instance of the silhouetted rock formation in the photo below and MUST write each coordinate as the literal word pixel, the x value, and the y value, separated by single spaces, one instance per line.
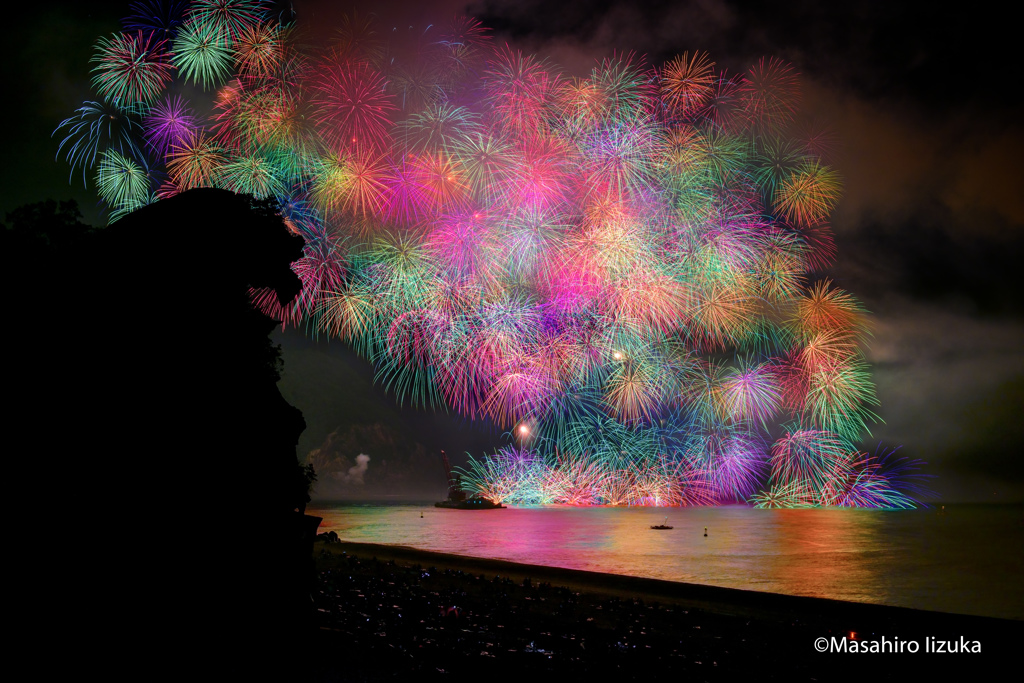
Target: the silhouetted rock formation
pixel 146 386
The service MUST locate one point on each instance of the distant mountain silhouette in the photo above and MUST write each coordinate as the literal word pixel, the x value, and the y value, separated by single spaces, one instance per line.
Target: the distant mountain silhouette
pixel 348 414
pixel 398 466
pixel 146 411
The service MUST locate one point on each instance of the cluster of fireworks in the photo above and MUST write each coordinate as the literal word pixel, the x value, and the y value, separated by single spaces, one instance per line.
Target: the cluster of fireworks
pixel 617 268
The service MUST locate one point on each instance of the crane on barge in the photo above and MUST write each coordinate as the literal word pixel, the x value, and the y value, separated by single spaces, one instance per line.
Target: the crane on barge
pixel 457 499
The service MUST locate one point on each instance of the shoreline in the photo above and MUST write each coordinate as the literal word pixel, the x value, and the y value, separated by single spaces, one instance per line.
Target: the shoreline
pixel 958 562
pixel 741 631
pixel 716 599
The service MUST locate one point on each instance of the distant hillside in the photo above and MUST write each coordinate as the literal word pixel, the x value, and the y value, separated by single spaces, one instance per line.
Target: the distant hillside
pixel 347 415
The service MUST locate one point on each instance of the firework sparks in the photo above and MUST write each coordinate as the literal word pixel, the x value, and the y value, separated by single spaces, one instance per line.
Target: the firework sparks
pixel 616 268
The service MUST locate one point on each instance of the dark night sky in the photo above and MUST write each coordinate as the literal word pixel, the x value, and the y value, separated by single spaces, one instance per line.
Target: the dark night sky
pixel 926 106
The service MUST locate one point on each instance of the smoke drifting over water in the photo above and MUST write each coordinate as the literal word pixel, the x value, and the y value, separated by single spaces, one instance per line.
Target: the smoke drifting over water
pixel 356 472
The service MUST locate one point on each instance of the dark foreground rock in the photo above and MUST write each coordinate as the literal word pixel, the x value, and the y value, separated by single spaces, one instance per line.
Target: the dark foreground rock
pixel 148 432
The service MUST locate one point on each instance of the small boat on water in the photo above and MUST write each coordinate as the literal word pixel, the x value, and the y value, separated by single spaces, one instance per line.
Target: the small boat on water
pixel 663 525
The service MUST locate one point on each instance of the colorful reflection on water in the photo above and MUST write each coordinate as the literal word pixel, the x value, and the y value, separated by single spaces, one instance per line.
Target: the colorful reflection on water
pixel 967 560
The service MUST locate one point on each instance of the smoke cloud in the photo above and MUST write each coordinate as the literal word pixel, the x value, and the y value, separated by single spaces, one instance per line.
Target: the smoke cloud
pixel 356 472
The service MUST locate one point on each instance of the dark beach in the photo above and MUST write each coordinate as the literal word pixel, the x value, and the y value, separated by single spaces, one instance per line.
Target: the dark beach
pixel 399 613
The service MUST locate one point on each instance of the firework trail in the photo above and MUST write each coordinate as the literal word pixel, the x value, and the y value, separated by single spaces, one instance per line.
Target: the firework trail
pixel 618 268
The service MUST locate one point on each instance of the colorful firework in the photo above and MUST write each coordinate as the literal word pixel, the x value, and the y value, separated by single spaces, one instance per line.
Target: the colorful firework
pixel 197 162
pixel 231 18
pixel 258 51
pixel 687 83
pixel 99 127
pixel 168 124
pixel 808 194
pixel 352 105
pixel 202 53
pixel 122 183
pixel 616 268
pixel 131 67
pixel 771 94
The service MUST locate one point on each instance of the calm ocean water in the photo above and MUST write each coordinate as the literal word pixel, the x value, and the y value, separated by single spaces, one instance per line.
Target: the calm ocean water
pixel 969 560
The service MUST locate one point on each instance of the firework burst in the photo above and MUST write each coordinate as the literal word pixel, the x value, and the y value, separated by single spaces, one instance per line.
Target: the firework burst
pixel 617 268
pixel 202 53
pixel 131 68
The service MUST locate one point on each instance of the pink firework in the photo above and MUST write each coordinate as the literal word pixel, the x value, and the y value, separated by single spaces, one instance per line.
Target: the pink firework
pixel 351 105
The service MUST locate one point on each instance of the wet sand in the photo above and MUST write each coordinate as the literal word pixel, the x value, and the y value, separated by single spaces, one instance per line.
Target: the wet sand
pixel 399 613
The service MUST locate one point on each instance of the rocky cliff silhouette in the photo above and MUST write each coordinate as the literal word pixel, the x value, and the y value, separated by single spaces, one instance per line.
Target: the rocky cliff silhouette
pixel 147 414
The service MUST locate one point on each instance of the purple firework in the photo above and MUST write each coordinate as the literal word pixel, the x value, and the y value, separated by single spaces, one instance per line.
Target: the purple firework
pixel 169 122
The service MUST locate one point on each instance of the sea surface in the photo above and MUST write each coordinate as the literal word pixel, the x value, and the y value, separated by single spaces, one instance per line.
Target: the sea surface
pixel 967 559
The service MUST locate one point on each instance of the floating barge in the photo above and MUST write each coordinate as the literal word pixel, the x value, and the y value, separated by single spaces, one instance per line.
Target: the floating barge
pixel 457 499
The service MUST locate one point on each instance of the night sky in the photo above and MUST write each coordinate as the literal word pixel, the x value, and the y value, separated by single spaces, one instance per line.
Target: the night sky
pixel 926 110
